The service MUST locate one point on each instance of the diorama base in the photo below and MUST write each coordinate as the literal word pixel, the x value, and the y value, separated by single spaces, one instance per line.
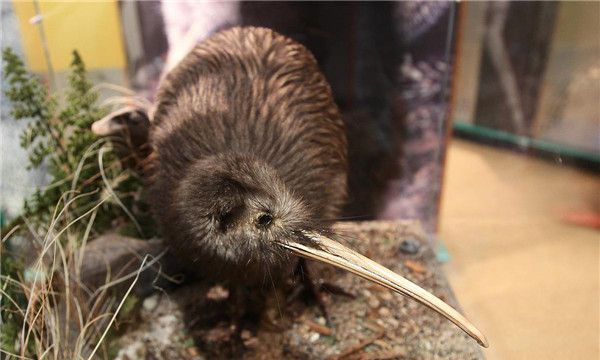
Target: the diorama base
pixel 373 324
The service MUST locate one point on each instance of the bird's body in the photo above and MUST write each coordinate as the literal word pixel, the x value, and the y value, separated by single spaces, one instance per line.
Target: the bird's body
pixel 245 126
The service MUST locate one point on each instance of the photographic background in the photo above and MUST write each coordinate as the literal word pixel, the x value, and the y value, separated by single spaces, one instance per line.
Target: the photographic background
pixel 389 65
pixel 520 219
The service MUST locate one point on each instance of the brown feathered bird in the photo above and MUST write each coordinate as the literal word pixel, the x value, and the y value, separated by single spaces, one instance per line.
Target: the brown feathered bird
pixel 250 154
pixel 250 149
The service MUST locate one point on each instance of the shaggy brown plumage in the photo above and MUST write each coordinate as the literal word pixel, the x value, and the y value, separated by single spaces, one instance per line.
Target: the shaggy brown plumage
pixel 250 148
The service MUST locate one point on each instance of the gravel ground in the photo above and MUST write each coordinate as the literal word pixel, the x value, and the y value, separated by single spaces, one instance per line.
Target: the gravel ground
pixel 376 324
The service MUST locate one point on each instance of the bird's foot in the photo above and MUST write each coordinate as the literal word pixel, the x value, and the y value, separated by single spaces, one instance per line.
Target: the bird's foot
pixel 313 290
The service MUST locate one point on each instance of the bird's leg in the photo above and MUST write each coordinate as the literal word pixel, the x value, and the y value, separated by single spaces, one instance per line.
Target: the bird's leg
pixel 309 286
pixel 313 289
pixel 249 305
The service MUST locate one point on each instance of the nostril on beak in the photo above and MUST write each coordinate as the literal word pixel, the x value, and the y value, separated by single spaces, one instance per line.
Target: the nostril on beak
pixel 264 221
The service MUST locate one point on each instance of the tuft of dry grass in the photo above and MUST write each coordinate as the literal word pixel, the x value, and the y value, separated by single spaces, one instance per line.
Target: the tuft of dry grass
pixel 63 318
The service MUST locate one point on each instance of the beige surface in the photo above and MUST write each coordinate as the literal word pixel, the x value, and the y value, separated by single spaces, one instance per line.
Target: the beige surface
pixel 528 280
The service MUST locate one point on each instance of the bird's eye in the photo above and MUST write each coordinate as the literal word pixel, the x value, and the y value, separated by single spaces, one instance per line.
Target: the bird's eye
pixel 264 220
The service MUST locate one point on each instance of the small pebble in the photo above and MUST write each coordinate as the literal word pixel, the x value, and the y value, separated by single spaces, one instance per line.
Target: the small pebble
pixel 410 246
pixel 385 312
pixel 321 320
pixel 394 324
pixel 400 350
pixel 387 296
pixel 314 337
pixel 374 302
pixel 250 341
pixel 150 303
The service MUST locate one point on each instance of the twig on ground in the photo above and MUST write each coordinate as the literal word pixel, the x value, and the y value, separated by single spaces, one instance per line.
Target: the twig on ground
pixel 352 349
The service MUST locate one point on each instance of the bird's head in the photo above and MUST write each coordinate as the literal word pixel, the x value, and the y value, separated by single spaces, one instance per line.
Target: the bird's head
pixel 237 209
pixel 129 123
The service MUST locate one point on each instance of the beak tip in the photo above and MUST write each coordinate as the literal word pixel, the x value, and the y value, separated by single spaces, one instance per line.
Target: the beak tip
pixel 96 128
pixel 483 341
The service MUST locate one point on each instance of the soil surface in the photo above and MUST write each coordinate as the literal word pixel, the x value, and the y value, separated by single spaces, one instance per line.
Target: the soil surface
pixel 195 322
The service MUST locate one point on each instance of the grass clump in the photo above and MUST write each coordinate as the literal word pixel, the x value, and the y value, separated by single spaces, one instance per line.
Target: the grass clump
pixel 45 310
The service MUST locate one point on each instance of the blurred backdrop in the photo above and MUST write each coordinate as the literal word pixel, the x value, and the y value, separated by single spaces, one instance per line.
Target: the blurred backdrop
pixel 389 65
pixel 403 73
pixel 520 217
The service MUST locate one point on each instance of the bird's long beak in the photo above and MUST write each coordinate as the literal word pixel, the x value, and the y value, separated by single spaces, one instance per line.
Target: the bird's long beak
pixel 106 126
pixel 333 253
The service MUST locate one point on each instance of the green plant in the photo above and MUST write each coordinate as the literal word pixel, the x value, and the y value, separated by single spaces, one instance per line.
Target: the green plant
pixel 60 137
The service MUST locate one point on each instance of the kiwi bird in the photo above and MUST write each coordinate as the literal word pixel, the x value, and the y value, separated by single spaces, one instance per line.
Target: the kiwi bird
pixel 250 155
